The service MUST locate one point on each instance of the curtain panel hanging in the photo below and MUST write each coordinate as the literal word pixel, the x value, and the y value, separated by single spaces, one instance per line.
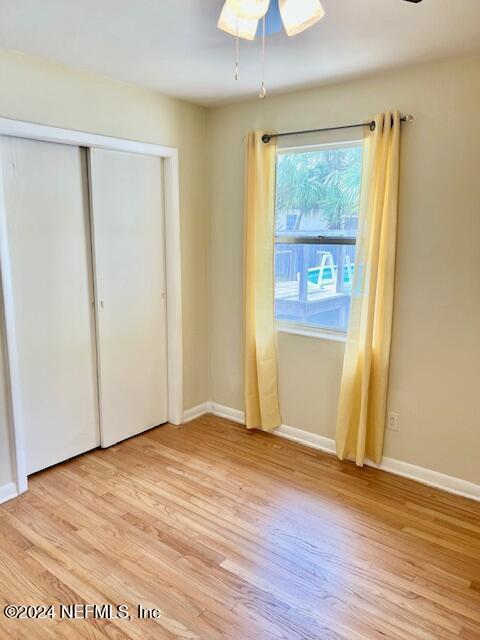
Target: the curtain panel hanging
pixel 363 393
pixel 261 387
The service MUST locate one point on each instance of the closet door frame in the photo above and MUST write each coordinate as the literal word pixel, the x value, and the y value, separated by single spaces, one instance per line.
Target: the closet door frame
pixel 32 131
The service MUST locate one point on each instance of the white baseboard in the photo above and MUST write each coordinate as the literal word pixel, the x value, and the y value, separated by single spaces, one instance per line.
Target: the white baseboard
pixel 196 412
pixel 327 445
pixel 217 410
pixel 226 412
pixel 397 467
pixel 429 477
pixel 8 492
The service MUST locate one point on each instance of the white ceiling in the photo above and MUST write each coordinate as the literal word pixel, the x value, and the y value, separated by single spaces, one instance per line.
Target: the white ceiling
pixel 173 46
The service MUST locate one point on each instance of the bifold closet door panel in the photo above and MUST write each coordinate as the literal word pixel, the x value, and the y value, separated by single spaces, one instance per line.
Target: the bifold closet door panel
pixel 47 218
pixel 129 255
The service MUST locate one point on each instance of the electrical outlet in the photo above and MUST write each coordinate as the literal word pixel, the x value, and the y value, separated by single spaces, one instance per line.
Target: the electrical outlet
pixel 393 420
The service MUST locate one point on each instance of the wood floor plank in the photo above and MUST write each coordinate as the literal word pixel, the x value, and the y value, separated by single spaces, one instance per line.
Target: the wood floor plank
pixel 239 535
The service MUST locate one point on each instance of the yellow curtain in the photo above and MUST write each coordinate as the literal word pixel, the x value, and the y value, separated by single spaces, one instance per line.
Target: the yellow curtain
pixel 363 393
pixel 261 390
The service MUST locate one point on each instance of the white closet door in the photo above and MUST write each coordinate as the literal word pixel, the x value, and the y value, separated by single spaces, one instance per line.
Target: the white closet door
pixel 47 215
pixel 129 254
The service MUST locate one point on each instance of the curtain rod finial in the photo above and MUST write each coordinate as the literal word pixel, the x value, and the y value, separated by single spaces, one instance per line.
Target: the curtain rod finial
pixel 266 138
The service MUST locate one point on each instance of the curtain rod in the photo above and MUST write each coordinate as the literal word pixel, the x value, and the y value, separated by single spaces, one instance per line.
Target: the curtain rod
pixel 268 136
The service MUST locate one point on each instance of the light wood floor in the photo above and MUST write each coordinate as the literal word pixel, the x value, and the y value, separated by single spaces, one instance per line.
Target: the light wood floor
pixel 242 537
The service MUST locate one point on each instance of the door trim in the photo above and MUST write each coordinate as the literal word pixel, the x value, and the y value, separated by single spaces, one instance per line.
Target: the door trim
pixel 33 131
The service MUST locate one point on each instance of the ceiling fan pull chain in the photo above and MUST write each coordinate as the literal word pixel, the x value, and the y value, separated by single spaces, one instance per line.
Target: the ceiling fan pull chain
pixel 236 54
pixel 263 91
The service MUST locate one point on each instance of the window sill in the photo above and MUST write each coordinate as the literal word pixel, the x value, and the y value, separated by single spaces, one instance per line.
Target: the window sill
pixel 311 332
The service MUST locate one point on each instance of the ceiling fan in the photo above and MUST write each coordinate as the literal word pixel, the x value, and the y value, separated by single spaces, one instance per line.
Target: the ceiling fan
pixel 248 18
pixel 241 17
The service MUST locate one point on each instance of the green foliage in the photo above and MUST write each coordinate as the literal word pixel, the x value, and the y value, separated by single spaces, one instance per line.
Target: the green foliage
pixel 325 182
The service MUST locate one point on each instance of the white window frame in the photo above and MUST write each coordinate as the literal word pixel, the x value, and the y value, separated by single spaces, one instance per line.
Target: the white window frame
pixel 302 328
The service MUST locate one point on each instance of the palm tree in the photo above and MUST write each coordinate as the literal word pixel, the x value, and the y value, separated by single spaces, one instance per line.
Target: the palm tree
pixel 321 181
pixel 299 184
pixel 341 186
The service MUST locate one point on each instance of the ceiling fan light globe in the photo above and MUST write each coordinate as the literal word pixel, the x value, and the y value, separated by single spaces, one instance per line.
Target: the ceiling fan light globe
pixel 232 24
pixel 299 15
pixel 249 9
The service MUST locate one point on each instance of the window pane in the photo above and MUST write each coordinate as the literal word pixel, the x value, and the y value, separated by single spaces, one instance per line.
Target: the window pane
pixel 309 287
pixel 318 191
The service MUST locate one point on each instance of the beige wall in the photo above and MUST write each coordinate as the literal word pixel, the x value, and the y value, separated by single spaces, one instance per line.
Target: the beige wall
pixel 40 91
pixel 436 346
pixel 436 337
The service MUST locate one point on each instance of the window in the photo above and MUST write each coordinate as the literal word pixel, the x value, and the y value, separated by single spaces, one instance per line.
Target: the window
pixel 317 199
